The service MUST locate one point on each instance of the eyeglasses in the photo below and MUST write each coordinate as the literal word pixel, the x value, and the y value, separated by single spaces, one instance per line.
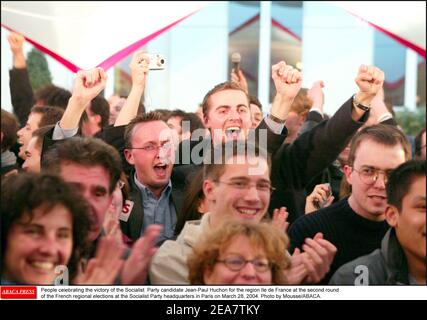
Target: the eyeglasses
pixel 370 175
pixel 245 185
pixel 152 147
pixel 237 263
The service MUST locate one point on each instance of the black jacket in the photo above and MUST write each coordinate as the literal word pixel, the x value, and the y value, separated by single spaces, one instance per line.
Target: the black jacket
pixel 294 165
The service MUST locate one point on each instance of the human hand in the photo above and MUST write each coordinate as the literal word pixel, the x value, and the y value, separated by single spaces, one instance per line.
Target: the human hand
pixel 88 84
pixel 16 42
pixel 139 68
pixel 321 197
pixel 280 217
pixel 287 80
pixel 297 271
pixel 105 266
pixel 240 79
pixel 315 93
pixel 317 257
pixel 136 266
pixel 370 80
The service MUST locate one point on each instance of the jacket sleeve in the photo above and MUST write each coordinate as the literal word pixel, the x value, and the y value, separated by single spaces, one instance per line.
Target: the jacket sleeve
pixel 169 264
pixel 274 140
pixel 314 150
pixel 21 93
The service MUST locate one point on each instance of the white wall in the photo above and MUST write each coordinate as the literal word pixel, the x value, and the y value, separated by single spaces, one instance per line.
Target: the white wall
pixel 196 51
pixel 334 46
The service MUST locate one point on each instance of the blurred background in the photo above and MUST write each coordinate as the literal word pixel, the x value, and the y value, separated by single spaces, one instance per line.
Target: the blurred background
pixel 325 40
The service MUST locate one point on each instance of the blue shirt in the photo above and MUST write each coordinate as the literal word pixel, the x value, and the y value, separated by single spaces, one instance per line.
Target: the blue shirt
pixel 158 211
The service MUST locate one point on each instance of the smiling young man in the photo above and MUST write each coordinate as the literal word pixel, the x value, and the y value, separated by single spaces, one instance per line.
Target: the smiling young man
pixel 237 186
pixel 356 225
pixel 402 256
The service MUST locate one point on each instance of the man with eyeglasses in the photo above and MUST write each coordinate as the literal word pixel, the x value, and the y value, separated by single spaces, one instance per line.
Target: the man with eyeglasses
pixel 155 190
pixel 401 259
pixel 238 188
pixel 356 225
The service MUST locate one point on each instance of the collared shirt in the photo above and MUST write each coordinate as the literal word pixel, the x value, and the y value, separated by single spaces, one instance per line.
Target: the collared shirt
pixel 158 211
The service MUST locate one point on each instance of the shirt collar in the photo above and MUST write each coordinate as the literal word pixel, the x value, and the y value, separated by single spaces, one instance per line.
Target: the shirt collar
pixel 147 192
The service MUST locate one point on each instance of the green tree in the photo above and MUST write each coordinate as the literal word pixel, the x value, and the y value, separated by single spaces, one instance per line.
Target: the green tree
pixel 411 121
pixel 38 69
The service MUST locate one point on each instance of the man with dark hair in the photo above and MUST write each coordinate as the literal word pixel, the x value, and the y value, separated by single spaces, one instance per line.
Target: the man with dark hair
pixel 184 123
pixel 9 127
pixel 401 259
pixel 256 111
pixel 39 117
pixel 356 225
pixel 34 149
pixel 52 95
pixel 95 117
pixel 93 167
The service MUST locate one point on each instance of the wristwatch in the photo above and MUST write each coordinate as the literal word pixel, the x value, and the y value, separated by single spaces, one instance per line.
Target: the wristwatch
pixel 276 119
pixel 357 104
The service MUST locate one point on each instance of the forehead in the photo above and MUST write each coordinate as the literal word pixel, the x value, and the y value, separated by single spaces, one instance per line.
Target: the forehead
pixel 371 153
pixel 250 167
pixel 58 215
pixel 175 121
pixel 151 131
pixel 240 243
pixel 255 109
pixel 228 97
pixel 85 175
pixel 34 118
pixel 417 188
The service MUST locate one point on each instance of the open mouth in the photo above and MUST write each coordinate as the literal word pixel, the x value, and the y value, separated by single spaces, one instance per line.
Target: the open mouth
pixel 232 132
pixel 160 170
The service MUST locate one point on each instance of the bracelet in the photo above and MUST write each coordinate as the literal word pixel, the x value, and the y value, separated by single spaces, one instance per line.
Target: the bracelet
pixel 385 117
pixel 357 104
pixel 276 119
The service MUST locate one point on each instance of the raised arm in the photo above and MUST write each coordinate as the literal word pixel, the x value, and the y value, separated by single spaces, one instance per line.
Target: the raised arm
pixel 315 115
pixel 88 85
pixel 139 72
pixel 316 149
pixel 21 92
pixel 287 81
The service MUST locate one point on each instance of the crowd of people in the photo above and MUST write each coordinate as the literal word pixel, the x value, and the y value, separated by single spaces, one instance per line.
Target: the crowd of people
pixel 222 195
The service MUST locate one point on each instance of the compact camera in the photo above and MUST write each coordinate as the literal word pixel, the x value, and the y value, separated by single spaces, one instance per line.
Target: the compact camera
pixel 157 61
